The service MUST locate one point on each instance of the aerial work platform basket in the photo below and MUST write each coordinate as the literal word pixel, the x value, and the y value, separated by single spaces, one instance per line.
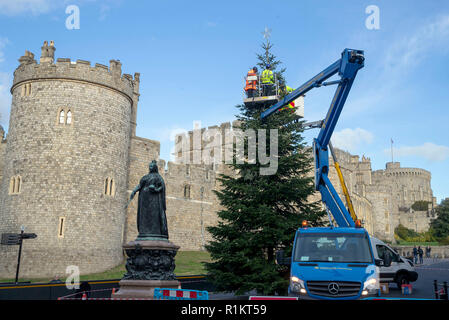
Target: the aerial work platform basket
pixel 268 94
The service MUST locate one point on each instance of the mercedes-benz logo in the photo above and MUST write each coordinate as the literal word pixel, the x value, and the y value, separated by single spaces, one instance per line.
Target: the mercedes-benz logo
pixel 333 288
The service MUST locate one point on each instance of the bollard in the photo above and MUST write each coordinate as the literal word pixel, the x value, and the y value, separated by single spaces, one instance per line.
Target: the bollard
pixel 84 296
pixel 445 290
pixel 435 286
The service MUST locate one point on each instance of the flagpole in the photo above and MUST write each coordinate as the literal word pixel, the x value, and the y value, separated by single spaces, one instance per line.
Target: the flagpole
pixel 392 151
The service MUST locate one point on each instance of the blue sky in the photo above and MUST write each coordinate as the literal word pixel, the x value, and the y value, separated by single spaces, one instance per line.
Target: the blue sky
pixel 192 56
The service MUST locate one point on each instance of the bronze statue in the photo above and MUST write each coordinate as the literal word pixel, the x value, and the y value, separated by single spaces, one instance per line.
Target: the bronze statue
pixel 151 218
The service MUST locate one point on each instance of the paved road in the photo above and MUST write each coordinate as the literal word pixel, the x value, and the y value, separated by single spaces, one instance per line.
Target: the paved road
pixel 429 271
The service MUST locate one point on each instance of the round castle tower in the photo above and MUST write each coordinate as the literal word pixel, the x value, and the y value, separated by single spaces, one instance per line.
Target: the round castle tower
pixel 66 164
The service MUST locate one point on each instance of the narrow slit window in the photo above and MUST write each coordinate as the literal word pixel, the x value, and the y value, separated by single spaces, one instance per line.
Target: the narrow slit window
pixel 112 188
pixel 69 117
pixel 12 185
pixel 106 182
pixel 61 117
pixel 61 227
pixel 17 190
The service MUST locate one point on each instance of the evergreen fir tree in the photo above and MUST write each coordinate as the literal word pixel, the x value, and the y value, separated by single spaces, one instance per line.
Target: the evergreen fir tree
pixel 262 212
pixel 440 225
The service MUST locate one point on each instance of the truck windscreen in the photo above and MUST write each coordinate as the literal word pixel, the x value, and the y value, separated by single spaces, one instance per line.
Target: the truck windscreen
pixel 333 247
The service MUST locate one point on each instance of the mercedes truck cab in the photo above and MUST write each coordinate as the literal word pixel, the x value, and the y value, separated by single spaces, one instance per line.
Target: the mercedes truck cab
pixel 343 264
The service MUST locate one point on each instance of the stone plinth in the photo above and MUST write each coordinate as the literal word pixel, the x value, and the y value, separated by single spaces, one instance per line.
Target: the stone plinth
pixel 142 289
pixel 150 264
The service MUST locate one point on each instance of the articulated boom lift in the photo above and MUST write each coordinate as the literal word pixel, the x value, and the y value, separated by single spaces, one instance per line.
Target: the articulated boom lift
pixel 346 67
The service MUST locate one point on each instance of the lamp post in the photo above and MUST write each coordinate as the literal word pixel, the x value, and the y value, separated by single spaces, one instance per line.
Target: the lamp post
pixel 202 227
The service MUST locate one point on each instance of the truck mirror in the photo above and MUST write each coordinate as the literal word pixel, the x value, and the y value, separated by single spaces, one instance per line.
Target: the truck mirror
pixel 387 260
pixel 379 262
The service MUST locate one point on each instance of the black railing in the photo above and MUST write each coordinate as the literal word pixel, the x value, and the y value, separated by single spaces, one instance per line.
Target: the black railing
pixel 440 290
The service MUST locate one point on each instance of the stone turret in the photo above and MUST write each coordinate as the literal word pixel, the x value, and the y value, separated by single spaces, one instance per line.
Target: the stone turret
pixel 48 52
pixel 65 169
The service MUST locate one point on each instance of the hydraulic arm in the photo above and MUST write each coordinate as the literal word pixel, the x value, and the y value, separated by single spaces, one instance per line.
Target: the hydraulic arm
pixel 346 68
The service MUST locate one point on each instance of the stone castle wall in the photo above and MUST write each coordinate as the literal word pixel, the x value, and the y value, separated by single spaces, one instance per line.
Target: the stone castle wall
pixel 65 171
pixel 63 167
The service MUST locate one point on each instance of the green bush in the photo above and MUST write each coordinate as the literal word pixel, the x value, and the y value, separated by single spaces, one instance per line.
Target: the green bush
pixel 404 234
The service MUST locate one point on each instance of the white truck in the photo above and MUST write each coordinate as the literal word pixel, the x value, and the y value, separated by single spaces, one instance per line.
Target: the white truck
pixel 397 269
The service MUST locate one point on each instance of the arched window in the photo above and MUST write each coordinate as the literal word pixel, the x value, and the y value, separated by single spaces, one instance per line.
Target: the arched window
pixel 17 189
pixel 15 185
pixel 109 187
pixel 69 117
pixel 61 117
pixel 12 185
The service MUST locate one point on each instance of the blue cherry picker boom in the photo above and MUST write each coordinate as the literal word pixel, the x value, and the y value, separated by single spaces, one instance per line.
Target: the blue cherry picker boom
pixel 336 262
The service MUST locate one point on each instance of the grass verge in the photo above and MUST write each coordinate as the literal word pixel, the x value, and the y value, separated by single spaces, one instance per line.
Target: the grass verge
pixel 187 263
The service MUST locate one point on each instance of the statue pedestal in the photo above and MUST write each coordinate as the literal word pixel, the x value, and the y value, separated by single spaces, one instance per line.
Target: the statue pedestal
pixel 150 264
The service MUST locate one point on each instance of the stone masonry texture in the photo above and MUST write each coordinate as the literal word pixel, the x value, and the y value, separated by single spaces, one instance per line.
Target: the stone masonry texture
pixel 63 169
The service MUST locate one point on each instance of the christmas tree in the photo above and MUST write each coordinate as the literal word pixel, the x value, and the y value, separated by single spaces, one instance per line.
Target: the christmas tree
pixel 262 212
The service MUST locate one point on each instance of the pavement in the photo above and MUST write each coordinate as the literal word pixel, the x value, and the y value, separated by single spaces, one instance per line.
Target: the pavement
pixel 423 288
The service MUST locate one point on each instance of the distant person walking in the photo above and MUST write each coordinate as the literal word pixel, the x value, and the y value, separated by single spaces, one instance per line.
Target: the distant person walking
pixel 428 249
pixel 420 252
pixel 415 255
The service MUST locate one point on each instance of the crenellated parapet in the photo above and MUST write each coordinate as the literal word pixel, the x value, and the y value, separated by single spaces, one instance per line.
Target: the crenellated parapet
pixel 80 71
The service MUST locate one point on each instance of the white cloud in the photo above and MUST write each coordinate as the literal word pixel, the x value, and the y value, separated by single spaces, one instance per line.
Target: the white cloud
pixel 104 11
pixel 409 51
pixel 17 7
pixel 403 56
pixel 350 139
pixel 210 24
pixel 428 151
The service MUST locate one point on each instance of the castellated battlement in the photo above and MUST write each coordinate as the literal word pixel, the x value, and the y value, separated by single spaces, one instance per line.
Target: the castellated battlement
pixel 393 169
pixel 80 71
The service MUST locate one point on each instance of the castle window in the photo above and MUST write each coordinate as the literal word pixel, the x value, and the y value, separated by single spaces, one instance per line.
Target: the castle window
pixel 15 185
pixel 61 227
pixel 109 187
pixel 187 192
pixel 61 117
pixel 26 89
pixel 187 170
pixel 106 186
pixel 69 117
pixel 207 174
pixel 65 116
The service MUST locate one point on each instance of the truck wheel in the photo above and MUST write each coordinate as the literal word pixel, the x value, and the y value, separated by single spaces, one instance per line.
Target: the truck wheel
pixel 401 279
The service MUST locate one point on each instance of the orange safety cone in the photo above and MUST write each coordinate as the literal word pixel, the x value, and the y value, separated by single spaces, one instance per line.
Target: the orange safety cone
pixel 113 290
pixel 84 296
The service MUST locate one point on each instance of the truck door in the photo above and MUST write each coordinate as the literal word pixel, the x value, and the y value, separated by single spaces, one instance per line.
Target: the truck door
pixel 387 274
